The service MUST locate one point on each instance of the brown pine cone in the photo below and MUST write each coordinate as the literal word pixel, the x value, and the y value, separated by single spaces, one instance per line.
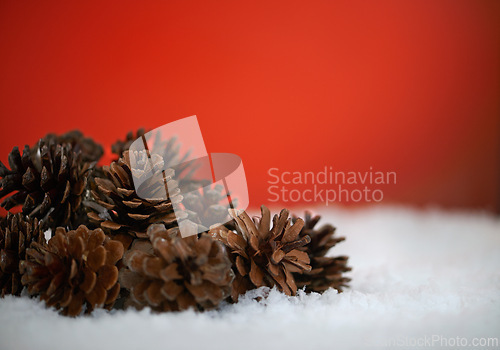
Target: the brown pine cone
pixel 49 183
pixel 75 269
pixel 177 273
pixel 90 150
pixel 167 149
pixel 16 234
pixel 205 206
pixel 326 272
pixel 264 256
pixel 121 146
pixel 118 208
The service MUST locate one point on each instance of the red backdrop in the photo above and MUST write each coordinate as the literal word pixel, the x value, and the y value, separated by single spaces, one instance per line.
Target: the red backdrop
pixel 405 86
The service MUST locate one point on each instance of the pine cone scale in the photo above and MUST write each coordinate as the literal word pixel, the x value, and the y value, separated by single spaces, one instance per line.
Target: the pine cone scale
pixel 89 281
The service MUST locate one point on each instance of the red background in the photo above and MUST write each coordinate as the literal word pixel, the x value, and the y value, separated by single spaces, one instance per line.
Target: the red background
pixel 405 86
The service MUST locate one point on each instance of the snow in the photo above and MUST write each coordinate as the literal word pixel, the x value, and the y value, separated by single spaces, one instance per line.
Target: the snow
pixel 419 277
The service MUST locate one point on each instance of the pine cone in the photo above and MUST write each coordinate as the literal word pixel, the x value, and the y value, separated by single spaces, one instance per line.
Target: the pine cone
pixel 49 183
pixel 177 273
pixel 167 149
pixel 326 272
pixel 120 146
pixel 205 207
pixel 16 234
pixel 264 256
pixel 120 210
pixel 90 150
pixel 75 269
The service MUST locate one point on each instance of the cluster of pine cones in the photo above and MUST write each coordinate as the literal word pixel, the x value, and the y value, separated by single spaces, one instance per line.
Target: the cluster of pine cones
pixel 109 248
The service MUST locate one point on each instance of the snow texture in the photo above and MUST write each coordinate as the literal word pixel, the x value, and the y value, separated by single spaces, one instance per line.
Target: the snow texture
pixel 417 276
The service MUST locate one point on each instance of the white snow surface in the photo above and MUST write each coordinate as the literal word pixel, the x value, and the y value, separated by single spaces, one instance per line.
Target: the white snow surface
pixel 419 277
